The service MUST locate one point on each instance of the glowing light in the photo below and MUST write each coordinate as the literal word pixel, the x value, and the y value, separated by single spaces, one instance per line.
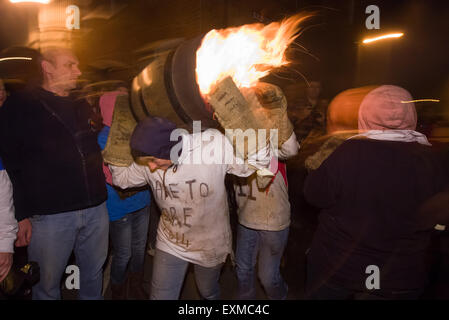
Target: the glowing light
pixel 15 58
pixel 386 36
pixel 34 1
pixel 245 53
pixel 421 100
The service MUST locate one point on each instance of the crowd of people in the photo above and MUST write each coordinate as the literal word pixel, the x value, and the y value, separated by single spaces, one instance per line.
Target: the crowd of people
pixel 378 184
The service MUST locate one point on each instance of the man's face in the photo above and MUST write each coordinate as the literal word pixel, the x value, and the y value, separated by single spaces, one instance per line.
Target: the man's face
pixel 156 163
pixel 2 93
pixel 65 71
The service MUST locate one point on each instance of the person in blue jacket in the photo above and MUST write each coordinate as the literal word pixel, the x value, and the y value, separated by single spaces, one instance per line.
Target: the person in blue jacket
pixel 129 212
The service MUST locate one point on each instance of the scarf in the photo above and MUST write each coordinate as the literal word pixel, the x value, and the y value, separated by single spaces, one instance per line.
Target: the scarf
pixel 395 135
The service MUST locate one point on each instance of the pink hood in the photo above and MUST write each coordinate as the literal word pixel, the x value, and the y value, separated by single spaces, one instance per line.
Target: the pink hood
pixel 386 108
pixel 107 103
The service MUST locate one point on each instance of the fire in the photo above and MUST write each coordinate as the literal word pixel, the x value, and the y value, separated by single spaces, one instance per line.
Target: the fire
pixel 245 53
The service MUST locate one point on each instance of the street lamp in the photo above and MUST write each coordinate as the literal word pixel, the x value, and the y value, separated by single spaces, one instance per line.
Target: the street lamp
pixel 421 100
pixel 15 58
pixel 386 36
pixel 35 1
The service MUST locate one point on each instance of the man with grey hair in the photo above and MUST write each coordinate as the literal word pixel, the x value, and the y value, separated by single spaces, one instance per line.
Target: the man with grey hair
pixel 49 149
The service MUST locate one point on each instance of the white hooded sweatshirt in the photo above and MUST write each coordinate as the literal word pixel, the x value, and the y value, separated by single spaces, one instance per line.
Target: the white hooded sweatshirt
pixel 194 224
pixel 269 208
pixel 8 223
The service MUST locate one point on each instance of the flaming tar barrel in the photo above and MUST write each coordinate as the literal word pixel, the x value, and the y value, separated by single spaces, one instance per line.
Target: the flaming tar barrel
pixel 167 87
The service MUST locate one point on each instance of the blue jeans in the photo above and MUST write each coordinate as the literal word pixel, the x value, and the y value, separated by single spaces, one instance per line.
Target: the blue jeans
pixel 129 239
pixel 155 215
pixel 270 247
pixel 169 273
pixel 52 241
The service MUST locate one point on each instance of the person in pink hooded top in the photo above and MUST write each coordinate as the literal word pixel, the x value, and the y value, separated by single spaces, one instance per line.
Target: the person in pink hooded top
pixel 372 240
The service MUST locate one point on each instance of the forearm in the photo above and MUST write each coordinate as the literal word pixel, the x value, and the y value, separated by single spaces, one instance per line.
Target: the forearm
pixel 128 177
pixel 257 162
pixel 8 234
pixel 289 148
pixel 8 223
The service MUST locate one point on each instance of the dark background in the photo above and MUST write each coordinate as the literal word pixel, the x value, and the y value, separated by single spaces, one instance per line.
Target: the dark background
pixel 117 35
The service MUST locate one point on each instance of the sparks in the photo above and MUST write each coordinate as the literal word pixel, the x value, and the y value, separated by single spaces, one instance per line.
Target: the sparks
pixel 34 1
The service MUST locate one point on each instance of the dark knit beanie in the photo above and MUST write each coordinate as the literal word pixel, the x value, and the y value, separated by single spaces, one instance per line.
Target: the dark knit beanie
pixel 151 137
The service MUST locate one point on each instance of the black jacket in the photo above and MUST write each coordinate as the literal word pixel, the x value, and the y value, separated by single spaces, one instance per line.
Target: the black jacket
pixel 370 192
pixel 51 153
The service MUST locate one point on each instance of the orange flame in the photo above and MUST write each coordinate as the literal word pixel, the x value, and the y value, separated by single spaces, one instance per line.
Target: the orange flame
pixel 245 53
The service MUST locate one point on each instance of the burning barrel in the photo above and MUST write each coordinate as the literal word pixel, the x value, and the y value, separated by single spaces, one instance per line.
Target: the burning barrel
pixel 220 69
pixel 167 87
pixel 177 84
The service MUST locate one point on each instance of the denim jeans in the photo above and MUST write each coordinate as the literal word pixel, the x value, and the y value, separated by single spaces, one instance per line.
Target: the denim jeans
pixel 129 239
pixel 169 273
pixel 155 215
pixel 52 241
pixel 270 247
